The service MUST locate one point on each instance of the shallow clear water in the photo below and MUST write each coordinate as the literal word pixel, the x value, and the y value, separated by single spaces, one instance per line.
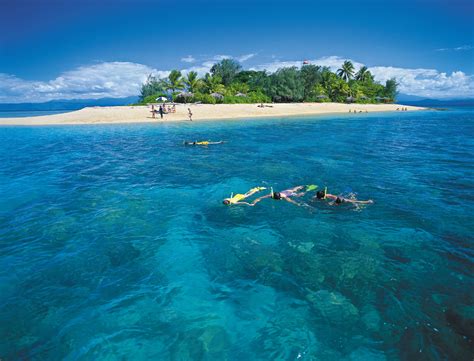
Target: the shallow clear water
pixel 30 113
pixel 115 244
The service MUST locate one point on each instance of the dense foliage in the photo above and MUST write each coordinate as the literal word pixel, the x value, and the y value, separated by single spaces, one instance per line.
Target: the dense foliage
pixel 228 83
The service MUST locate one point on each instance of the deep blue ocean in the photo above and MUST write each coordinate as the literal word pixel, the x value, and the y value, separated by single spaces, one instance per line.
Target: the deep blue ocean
pixel 115 244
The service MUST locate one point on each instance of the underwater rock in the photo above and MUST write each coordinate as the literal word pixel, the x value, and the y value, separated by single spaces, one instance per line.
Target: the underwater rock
pixel 210 343
pixel 352 273
pixel 397 254
pixel 61 230
pixel 358 266
pixel 414 345
pixel 215 341
pixel 122 253
pixel 308 269
pixel 371 319
pixel 461 319
pixel 287 335
pixel 333 307
pixel 439 299
pixel 365 354
pixel 304 247
pixel 303 230
pixel 243 259
pixel 265 261
pixel 249 236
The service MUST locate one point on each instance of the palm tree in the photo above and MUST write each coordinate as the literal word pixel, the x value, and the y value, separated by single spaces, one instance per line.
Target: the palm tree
pixel 192 81
pixel 213 83
pixel 175 81
pixel 346 72
pixel 363 74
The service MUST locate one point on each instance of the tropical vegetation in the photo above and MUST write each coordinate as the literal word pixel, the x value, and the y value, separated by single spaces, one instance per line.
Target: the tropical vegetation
pixel 227 82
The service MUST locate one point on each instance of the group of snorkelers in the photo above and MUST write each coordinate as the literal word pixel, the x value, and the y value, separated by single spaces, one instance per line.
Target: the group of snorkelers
pixel 290 194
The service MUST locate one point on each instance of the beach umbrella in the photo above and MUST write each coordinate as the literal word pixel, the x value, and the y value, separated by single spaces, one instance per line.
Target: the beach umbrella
pixel 322 96
pixel 162 99
pixel 350 99
pixel 240 95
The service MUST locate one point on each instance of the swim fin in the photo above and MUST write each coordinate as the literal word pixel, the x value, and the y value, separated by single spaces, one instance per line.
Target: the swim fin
pixel 257 189
pixel 311 187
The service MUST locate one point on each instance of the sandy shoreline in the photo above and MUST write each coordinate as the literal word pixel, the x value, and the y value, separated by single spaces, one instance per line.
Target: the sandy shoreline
pixel 142 114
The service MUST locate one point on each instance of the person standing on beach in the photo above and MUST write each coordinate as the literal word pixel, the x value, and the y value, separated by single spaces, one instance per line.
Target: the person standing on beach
pixel 190 115
pixel 153 111
pixel 160 110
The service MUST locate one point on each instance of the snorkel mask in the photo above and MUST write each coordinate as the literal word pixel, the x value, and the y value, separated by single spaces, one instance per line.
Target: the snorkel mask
pixel 228 201
pixel 275 195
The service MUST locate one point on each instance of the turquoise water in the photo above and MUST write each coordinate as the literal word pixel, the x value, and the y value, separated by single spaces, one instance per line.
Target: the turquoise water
pixel 115 244
pixel 30 113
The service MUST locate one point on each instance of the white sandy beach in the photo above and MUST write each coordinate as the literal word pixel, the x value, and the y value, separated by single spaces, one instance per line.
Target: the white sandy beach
pixel 142 114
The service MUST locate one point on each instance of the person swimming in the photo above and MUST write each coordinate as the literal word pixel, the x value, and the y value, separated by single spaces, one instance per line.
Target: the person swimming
pixel 238 198
pixel 204 142
pixel 338 200
pixel 286 195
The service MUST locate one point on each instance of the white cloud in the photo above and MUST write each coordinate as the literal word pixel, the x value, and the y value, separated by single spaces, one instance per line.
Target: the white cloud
pixel 459 48
pixel 111 79
pixel 429 83
pixel 121 79
pixel 188 59
pixel 220 57
pixel 245 57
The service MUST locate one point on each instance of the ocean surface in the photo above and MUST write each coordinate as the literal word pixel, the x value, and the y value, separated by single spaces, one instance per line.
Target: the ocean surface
pixel 115 244
pixel 30 113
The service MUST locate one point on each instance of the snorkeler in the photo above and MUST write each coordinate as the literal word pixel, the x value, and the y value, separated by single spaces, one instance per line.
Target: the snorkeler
pixel 204 142
pixel 337 200
pixel 287 195
pixel 238 198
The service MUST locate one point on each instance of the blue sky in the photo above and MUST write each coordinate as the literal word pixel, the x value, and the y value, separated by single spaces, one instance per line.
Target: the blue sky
pixel 61 47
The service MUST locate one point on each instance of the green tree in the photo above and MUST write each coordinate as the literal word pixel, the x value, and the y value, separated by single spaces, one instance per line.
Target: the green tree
pixel 213 84
pixel 356 89
pixel 174 81
pixel 364 75
pixel 391 89
pixel 259 80
pixel 248 76
pixel 286 85
pixel 346 72
pixel 151 87
pixel 192 82
pixel 311 75
pixel 235 88
pixel 373 90
pixel 336 88
pixel 227 69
